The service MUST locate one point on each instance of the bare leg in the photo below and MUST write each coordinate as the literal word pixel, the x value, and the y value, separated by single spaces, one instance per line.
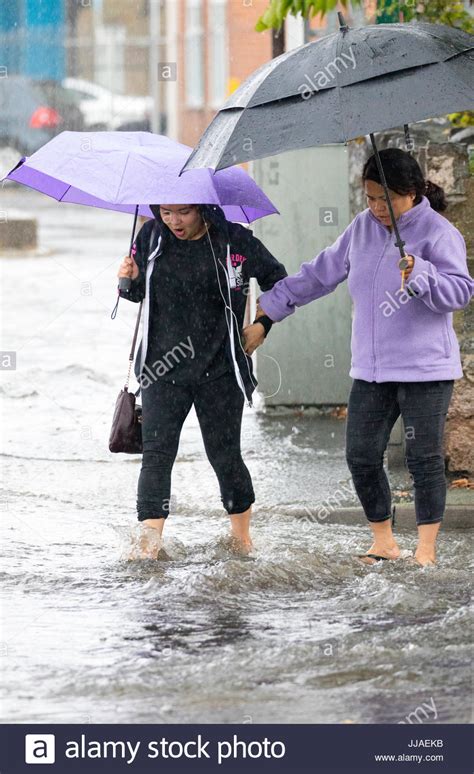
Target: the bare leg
pixel 384 543
pixel 240 526
pixel 426 549
pixel 157 524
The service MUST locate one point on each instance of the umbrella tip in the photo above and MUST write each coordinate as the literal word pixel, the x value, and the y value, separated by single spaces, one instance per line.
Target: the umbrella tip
pixel 342 22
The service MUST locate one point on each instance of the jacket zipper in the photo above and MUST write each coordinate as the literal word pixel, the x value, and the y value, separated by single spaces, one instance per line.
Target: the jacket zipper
pixel 387 242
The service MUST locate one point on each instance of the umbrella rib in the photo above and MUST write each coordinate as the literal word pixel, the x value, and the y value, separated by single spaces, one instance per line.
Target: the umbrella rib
pixel 339 44
pixel 258 77
pixel 65 192
pixel 122 176
pixel 458 53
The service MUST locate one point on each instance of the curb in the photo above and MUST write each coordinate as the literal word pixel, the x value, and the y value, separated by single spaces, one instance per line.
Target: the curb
pixel 456 517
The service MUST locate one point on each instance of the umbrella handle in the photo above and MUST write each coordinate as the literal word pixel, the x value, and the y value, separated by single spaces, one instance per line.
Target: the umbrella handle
pixel 135 218
pixel 405 265
pixel 125 283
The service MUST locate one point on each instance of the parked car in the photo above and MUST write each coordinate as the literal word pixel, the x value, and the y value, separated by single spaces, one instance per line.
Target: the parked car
pixel 102 109
pixel 33 111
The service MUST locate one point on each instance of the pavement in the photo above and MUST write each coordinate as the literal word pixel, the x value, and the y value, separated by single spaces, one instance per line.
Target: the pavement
pixel 335 501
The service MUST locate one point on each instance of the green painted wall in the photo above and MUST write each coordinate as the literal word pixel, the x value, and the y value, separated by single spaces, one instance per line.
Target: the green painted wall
pixel 312 347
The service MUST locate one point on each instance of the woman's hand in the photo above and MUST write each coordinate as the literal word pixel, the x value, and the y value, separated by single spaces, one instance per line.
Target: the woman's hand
pixel 254 336
pixel 410 261
pixel 128 268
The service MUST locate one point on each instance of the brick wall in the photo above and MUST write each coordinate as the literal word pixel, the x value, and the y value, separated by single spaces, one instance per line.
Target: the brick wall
pixel 247 50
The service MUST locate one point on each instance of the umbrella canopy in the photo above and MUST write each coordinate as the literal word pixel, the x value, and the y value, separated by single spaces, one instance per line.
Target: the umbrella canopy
pixel 351 83
pixel 125 170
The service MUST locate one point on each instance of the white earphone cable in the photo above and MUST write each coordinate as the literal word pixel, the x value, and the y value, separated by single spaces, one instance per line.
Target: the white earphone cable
pixel 230 327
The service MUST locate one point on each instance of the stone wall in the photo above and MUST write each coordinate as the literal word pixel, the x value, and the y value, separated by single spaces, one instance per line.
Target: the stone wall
pixel 447 164
pixel 460 427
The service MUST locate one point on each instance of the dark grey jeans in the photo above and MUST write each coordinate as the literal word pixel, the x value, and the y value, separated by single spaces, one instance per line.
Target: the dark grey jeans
pixel 372 412
pixel 219 404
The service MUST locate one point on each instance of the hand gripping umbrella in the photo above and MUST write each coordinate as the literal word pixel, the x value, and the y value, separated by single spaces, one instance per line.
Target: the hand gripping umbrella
pixel 127 171
pixel 348 84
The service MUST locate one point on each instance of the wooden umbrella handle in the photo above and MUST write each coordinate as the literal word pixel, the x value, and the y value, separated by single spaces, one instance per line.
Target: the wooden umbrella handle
pixel 405 265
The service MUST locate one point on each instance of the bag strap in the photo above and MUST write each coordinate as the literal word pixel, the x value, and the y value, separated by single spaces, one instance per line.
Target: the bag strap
pixel 137 324
pixel 132 351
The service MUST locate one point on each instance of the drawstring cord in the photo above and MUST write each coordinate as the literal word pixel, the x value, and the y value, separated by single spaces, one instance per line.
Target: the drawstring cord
pixel 230 327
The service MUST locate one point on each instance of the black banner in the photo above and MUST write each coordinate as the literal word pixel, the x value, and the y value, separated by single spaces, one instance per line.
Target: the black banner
pixel 225 748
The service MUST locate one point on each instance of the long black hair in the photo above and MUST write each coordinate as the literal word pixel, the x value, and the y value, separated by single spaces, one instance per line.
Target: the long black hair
pixel 404 175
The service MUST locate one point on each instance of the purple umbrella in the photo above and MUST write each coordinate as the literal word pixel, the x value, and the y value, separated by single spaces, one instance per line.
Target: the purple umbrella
pixel 127 171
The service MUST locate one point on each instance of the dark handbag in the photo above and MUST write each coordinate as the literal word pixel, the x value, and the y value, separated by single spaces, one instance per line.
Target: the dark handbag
pixel 126 431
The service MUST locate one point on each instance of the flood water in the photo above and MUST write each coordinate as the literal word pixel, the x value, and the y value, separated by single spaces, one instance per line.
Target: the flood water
pixel 299 632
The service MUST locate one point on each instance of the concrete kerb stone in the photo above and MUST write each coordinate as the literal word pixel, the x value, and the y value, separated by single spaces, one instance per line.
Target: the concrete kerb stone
pixel 18 232
pixel 456 516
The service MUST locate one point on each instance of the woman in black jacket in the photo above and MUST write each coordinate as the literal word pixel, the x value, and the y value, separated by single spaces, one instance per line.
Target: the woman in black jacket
pixel 196 266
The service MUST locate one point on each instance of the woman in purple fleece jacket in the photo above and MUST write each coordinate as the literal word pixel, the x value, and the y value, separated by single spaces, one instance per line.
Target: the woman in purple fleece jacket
pixel 405 355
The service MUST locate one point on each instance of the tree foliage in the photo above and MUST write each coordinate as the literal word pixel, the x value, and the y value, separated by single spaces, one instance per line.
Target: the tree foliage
pixel 451 12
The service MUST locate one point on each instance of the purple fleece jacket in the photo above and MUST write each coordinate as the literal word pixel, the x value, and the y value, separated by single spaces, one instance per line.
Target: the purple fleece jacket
pixel 395 337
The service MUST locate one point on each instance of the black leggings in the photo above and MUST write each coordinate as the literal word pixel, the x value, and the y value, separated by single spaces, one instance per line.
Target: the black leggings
pixel 372 412
pixel 219 405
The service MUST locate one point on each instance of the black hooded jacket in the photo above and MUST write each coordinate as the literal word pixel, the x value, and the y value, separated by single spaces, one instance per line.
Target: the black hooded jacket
pixel 249 257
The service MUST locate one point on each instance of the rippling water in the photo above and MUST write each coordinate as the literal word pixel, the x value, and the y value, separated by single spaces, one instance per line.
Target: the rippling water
pixel 298 632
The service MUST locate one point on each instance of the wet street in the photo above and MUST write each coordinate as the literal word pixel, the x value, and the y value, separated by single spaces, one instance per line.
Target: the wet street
pixel 299 632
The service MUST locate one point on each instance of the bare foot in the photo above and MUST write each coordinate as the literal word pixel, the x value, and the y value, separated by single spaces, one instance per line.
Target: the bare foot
pixel 425 556
pixel 241 545
pixel 147 544
pixel 425 553
pixel 387 550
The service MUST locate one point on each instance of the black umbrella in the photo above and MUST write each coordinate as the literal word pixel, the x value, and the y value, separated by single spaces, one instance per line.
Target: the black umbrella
pixel 348 84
